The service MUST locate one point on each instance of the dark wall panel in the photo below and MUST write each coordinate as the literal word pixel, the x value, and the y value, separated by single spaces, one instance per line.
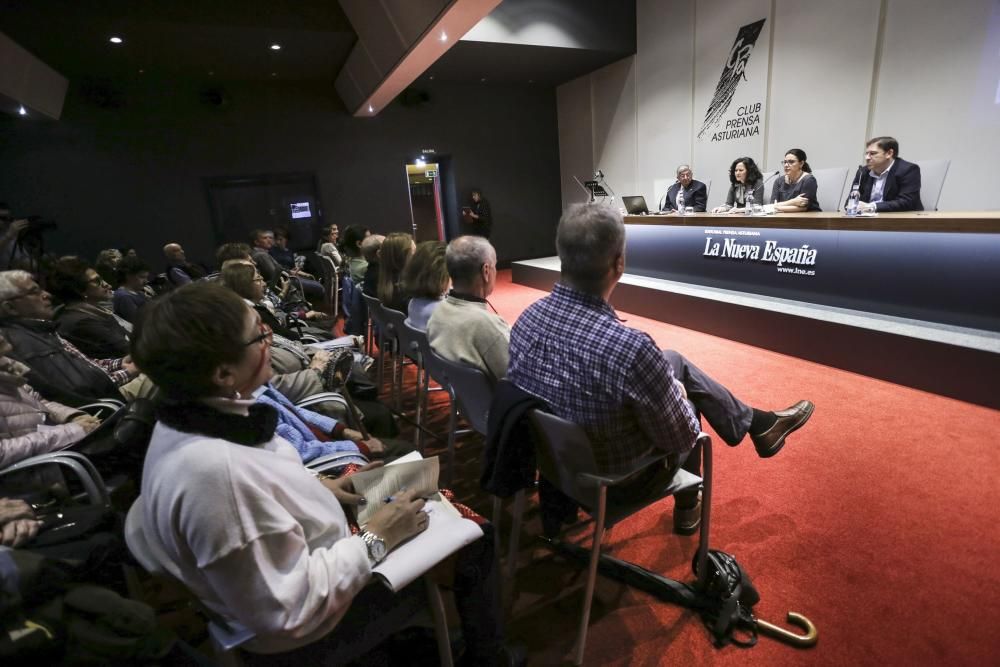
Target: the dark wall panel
pixel 135 175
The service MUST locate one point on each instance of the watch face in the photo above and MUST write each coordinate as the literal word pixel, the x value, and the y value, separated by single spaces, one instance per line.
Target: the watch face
pixel 377 549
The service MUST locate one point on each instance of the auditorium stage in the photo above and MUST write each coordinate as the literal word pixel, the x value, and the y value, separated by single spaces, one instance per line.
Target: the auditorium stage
pixel 955 361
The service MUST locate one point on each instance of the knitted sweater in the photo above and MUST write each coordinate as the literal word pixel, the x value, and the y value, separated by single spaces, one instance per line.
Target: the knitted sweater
pixel 467 332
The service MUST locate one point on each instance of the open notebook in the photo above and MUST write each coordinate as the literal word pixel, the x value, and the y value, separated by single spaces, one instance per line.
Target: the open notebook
pixel 446 533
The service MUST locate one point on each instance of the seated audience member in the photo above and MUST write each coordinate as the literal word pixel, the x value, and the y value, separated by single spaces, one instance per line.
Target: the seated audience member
pixel 695 192
pixel 462 328
pixel 30 425
pixel 281 252
pixel 796 191
pixel 179 270
pixel 744 178
pixel 425 281
pixel 106 265
pixel 275 274
pixel 133 276
pixel 58 370
pixel 371 247
pixel 247 529
pixel 890 183
pixel 351 250
pixel 571 350
pixel 93 330
pixel 328 245
pixel 395 252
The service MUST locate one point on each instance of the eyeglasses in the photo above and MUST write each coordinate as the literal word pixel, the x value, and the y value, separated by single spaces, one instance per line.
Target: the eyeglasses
pixel 789 161
pixel 266 335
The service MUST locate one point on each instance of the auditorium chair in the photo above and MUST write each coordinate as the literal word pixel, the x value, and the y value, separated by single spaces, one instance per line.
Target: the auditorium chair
pixel 374 308
pixel 830 188
pixel 565 458
pixel 227 636
pixel 399 344
pixel 83 471
pixel 427 368
pixel 932 175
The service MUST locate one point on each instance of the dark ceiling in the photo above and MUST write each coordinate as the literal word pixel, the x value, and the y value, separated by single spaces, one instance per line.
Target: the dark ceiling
pixel 226 40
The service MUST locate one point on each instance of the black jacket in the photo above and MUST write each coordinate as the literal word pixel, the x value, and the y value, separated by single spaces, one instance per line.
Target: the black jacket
pixel 55 373
pixel 901 191
pixel 95 332
pixel 696 196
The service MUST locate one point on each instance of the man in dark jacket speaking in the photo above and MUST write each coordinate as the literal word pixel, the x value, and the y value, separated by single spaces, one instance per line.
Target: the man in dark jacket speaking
pixel 890 183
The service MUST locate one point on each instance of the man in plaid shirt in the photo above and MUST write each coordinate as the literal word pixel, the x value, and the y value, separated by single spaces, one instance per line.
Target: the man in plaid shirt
pixel 571 350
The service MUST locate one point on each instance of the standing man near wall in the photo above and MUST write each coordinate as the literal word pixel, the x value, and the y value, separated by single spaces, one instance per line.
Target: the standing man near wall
pixel 477 215
pixel 890 183
pixel 695 192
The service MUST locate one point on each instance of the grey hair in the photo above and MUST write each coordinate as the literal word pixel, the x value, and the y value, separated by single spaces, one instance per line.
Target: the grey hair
pixel 465 257
pixel 589 240
pixel 684 167
pixel 11 283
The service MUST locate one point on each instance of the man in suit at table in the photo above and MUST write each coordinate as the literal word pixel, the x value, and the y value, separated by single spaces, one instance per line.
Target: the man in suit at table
pixel 695 192
pixel 889 183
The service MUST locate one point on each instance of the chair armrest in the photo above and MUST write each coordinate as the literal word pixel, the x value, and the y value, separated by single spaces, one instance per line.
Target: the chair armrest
pixel 80 465
pixel 321 397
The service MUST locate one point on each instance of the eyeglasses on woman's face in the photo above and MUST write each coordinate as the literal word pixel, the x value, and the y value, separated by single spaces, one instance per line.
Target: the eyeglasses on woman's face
pixel 266 336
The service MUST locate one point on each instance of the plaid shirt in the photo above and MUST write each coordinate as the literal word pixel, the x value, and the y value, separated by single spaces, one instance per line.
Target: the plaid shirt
pixel 113 367
pixel 571 350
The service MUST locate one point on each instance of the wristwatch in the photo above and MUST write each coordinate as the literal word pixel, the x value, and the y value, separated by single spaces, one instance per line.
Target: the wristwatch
pixel 375 545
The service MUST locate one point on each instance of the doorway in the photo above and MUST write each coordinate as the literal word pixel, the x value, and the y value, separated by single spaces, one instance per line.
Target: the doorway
pixel 270 201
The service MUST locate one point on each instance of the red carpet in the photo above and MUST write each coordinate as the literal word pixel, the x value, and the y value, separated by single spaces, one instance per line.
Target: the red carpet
pixel 875 521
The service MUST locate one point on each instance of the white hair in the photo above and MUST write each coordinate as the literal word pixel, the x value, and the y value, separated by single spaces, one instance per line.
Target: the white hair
pixel 12 283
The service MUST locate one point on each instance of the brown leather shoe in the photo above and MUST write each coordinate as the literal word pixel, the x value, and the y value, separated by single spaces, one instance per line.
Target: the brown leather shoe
pixel 772 440
pixel 687 521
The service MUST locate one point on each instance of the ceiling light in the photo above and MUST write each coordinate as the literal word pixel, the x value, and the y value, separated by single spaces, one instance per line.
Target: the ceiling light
pixel 22 111
pixel 276 47
pixel 432 77
pixel 444 36
pixel 116 40
pixel 370 109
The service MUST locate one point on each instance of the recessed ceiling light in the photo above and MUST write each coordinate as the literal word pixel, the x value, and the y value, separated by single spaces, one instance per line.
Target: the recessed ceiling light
pixel 432 77
pixel 276 47
pixel 116 40
pixel 370 109
pixel 22 111
pixel 444 36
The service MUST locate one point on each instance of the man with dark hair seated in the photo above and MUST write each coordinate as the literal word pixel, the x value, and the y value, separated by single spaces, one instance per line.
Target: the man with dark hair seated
pixel 571 350
pixel 59 371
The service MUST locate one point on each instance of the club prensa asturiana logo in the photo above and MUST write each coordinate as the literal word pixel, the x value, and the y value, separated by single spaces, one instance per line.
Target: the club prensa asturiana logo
pixel 733 71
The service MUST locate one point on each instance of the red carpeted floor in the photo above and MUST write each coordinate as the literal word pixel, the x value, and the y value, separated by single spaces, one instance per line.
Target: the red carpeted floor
pixel 876 521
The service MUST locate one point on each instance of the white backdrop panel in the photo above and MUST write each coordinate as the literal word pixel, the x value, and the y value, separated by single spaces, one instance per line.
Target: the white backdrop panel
pixel 717 23
pixel 821 76
pixel 664 80
pixel 930 96
pixel 613 100
pixel 576 149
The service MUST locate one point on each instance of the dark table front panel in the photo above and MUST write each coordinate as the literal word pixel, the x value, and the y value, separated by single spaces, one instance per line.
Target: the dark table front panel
pixel 947 277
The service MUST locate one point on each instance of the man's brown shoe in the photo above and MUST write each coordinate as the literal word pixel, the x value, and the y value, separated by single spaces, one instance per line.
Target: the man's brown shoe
pixel 772 440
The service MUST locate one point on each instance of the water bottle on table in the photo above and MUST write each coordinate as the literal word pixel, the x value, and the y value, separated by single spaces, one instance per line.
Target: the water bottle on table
pixel 749 204
pixel 680 201
pixel 853 200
